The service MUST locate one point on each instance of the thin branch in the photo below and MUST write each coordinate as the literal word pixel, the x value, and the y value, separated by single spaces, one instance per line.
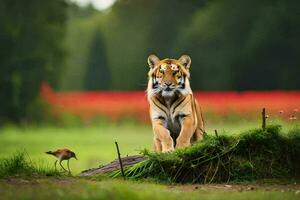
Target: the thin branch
pixel 120 160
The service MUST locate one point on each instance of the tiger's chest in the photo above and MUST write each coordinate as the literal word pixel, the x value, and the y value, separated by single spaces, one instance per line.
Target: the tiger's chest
pixel 171 114
pixel 174 125
pixel 171 121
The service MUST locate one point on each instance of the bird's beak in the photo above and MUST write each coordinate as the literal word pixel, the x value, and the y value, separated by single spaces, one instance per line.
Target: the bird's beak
pixel 75 157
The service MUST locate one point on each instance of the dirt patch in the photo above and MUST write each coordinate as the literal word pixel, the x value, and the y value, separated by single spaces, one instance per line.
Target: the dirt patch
pixel 241 187
pixel 33 181
pixel 284 187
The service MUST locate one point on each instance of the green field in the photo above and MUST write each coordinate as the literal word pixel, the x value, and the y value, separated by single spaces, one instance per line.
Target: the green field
pixel 94 145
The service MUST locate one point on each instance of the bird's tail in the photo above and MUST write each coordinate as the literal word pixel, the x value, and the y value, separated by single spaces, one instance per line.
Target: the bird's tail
pixel 49 152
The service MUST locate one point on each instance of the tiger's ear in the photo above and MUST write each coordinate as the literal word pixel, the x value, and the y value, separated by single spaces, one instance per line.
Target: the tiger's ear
pixel 185 60
pixel 153 60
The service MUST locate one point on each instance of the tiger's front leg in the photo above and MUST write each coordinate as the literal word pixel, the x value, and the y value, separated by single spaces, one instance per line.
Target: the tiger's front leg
pixel 186 133
pixel 162 138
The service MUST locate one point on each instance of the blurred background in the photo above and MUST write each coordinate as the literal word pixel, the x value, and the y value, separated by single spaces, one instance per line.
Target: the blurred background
pixel 82 64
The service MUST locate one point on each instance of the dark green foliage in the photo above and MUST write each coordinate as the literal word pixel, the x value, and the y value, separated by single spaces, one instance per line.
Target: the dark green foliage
pixel 30 52
pixel 97 75
pixel 244 45
pixel 234 45
pixel 136 28
pixel 253 155
pixel 130 32
pixel 20 164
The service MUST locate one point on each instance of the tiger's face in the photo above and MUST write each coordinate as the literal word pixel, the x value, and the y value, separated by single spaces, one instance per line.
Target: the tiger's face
pixel 169 76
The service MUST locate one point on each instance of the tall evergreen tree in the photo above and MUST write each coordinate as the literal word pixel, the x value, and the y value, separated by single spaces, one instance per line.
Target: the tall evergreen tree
pixel 97 74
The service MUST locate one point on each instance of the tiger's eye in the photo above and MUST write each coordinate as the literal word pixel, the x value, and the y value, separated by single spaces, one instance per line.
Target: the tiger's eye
pixel 161 70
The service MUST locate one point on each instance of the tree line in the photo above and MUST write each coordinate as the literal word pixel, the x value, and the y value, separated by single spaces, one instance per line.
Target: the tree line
pixel 234 45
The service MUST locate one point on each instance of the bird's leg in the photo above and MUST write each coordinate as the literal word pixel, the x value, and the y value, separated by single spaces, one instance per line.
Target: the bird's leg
pixel 69 167
pixel 55 164
pixel 62 165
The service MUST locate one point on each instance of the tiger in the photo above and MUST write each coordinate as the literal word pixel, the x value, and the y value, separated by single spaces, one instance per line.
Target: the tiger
pixel 175 114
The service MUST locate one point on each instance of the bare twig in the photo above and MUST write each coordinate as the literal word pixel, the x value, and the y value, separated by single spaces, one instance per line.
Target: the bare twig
pixel 216 132
pixel 208 172
pixel 120 160
pixel 216 170
pixel 263 115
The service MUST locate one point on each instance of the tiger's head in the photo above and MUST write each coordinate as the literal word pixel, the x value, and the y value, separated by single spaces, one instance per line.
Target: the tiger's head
pixel 169 76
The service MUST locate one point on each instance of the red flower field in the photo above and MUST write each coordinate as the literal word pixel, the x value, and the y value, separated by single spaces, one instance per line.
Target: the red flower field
pixel 118 105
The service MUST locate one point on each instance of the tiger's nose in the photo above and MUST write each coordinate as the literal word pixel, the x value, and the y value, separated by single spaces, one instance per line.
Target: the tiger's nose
pixel 168 83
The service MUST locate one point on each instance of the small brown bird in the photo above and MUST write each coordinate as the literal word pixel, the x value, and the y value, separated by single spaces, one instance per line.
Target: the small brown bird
pixel 62 154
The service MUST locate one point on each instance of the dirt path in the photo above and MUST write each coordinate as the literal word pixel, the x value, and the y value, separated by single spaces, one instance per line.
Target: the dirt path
pixel 69 181
pixel 282 187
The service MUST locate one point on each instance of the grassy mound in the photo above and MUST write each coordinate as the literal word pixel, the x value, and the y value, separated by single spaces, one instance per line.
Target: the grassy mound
pixel 20 164
pixel 253 155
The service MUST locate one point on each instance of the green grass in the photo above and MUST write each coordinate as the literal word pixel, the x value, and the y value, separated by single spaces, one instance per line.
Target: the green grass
pixel 95 145
pixel 92 145
pixel 20 164
pixel 70 188
pixel 21 179
pixel 254 154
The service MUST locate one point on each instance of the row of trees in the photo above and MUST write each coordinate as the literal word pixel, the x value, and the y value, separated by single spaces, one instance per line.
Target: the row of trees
pixel 234 45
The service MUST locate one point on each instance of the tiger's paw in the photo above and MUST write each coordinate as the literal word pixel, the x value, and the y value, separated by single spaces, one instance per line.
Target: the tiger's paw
pixel 167 150
pixel 182 144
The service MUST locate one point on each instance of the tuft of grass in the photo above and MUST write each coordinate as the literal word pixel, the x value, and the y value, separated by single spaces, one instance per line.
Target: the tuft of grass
pixel 19 164
pixel 252 155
